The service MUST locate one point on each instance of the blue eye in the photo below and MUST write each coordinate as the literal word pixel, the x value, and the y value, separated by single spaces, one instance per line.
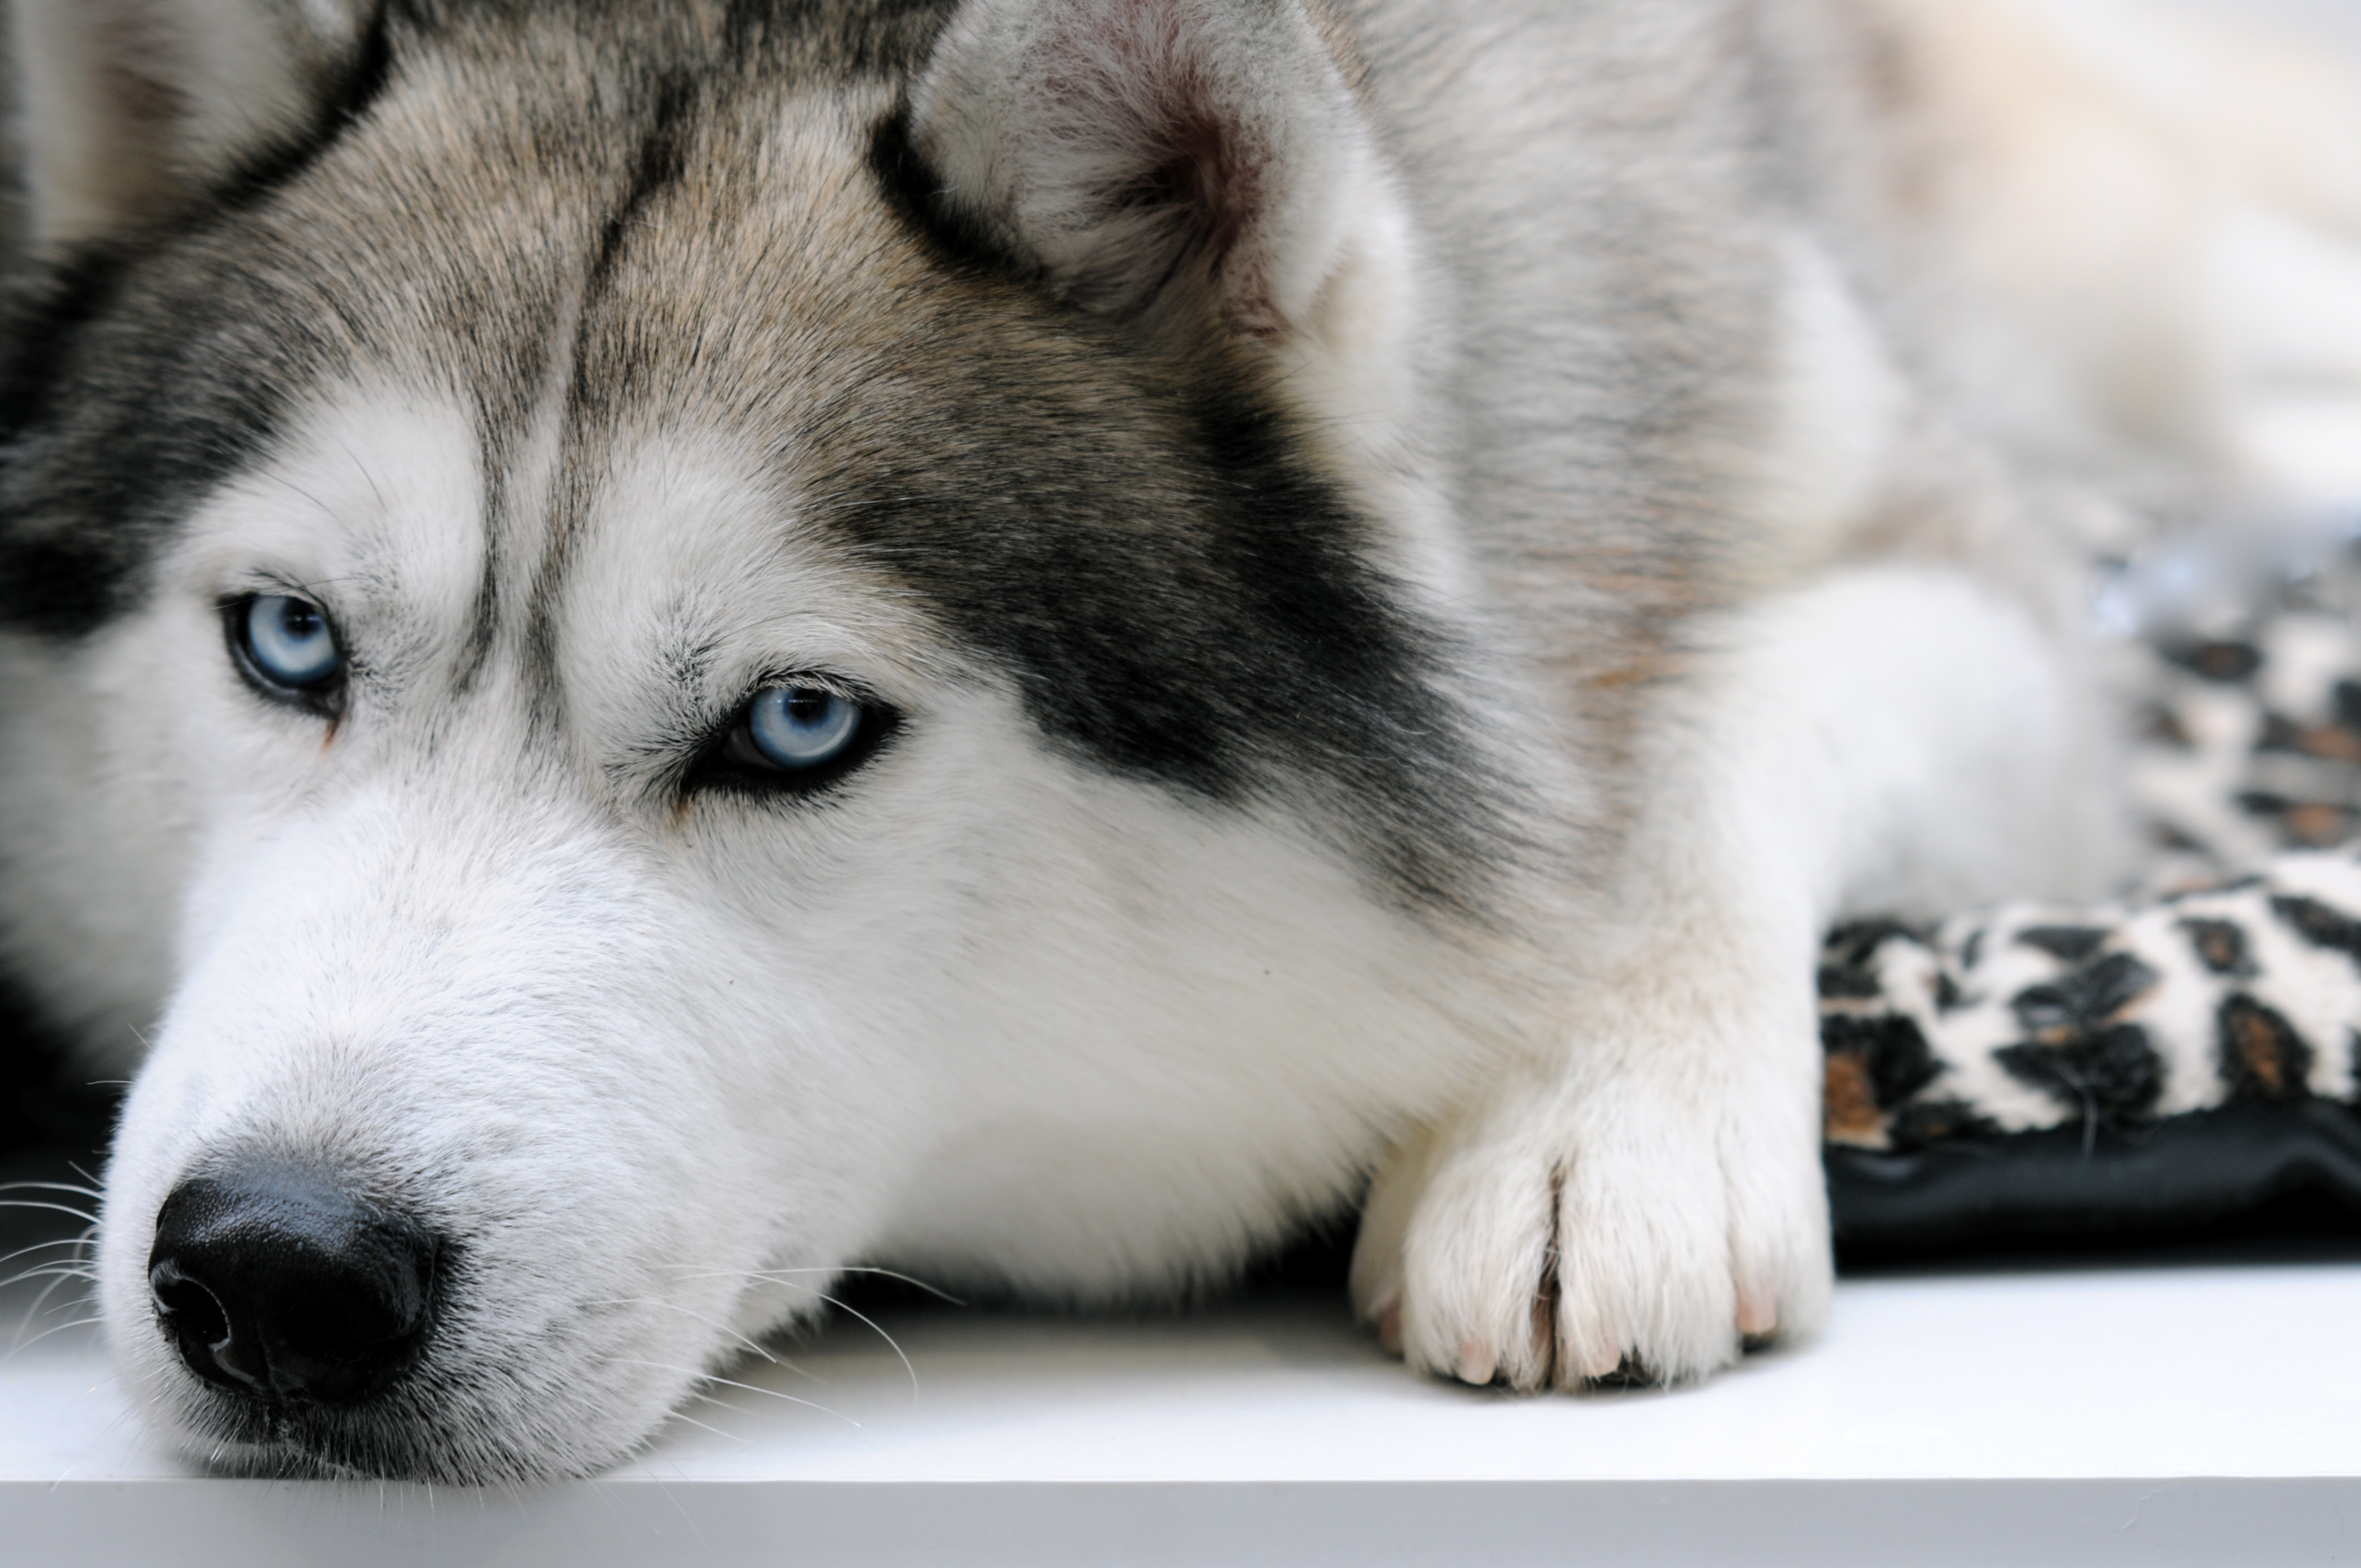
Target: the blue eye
pixel 289 642
pixel 798 729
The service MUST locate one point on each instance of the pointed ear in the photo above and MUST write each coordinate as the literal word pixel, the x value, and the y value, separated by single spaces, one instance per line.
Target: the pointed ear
pixel 127 107
pixel 1137 152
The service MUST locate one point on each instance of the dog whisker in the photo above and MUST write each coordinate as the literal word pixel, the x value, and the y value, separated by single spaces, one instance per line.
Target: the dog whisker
pixel 39 1301
pixel 934 1291
pixel 51 1270
pixel 779 1276
pixel 754 1345
pixel 701 1426
pixel 42 1246
pixel 86 1218
pixel 730 1383
pixel 58 1328
pixel 782 1277
pixel 875 1327
pixel 50 1186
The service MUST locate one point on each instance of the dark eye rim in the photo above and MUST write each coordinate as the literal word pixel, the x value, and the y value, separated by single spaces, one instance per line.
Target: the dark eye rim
pixel 323 698
pixel 730 762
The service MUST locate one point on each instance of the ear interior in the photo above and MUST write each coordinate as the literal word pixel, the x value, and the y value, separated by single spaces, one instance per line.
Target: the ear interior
pixel 1135 152
pixel 127 107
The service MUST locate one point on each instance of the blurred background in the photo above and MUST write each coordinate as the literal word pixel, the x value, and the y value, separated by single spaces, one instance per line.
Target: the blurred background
pixel 2339 19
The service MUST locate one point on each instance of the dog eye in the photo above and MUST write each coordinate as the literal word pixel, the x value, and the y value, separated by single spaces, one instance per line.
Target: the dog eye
pixel 797 729
pixel 286 644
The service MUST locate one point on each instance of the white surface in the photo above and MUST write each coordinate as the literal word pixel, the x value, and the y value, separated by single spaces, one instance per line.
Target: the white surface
pixel 2199 1414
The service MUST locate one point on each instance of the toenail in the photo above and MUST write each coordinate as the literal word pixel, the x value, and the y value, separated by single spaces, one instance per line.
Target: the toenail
pixel 1476 1363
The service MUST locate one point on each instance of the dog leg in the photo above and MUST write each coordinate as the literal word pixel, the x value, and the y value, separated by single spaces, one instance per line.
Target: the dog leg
pixel 1649 1199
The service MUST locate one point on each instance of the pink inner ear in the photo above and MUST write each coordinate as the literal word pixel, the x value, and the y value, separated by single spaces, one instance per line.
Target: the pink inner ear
pixel 1197 177
pixel 1202 175
pixel 1141 151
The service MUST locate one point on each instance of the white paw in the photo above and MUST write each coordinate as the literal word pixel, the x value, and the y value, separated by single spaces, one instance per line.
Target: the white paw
pixel 1562 1237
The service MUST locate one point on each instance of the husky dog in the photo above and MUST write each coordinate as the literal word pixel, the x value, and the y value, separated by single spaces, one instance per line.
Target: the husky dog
pixel 656 648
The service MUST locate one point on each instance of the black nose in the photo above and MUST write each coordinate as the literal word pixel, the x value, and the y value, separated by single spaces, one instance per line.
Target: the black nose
pixel 281 1282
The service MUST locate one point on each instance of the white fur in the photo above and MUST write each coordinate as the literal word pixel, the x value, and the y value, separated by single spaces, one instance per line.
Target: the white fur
pixel 1891 739
pixel 1839 411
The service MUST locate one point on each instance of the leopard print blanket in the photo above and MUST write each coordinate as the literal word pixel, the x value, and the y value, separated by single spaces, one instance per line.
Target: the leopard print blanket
pixel 2232 978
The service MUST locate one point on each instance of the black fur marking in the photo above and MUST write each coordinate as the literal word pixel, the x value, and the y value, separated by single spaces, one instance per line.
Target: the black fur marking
pixel 41 331
pixel 913 191
pixel 2280 733
pixel 1837 979
pixel 364 81
pixel 2224 662
pixel 1849 957
pixel 2089 996
pixel 2318 924
pixel 2348 704
pixel 1893 1054
pixel 2220 945
pixel 2071 943
pixel 166 414
pixel 2262 803
pixel 659 165
pixel 2261 1055
pixel 42 1096
pixel 2111 1075
pixel 1131 533
pixel 2077 1051
pixel 1194 608
pixel 76 525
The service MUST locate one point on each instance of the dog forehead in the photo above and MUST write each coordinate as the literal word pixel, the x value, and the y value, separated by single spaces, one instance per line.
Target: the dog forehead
pixel 594 235
pixel 374 492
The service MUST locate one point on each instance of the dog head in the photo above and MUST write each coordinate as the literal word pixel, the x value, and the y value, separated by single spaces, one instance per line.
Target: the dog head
pixel 709 642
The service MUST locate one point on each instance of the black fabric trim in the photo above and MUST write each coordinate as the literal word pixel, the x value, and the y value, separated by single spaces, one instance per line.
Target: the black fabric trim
pixel 2177 1177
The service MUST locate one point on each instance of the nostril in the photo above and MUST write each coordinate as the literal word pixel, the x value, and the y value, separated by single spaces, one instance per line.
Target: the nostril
pixel 194 1317
pixel 280 1281
pixel 189 1306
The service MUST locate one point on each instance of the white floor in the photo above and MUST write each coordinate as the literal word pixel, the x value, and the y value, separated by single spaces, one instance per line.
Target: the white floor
pixel 2198 1414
